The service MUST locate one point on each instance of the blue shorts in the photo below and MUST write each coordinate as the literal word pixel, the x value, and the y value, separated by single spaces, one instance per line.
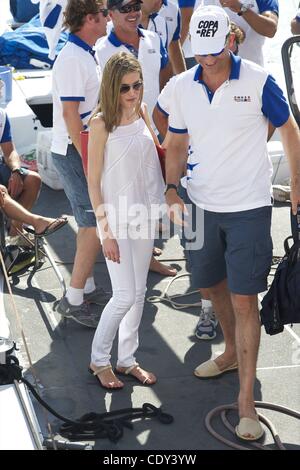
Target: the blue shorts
pixel 237 246
pixel 5 173
pixel 71 172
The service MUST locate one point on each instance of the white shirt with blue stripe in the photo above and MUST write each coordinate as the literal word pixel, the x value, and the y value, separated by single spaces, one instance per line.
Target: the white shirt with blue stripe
pixel 252 47
pixel 151 54
pixel 5 131
pixel 76 77
pixel 186 46
pixel 171 13
pixel 229 169
pixel 158 25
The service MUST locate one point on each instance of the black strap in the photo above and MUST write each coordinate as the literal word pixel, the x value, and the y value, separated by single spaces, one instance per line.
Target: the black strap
pixel 295 225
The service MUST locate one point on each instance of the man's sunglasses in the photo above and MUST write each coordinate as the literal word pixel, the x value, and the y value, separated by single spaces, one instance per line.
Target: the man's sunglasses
pixel 125 88
pixel 130 8
pixel 216 54
pixel 213 55
pixel 104 11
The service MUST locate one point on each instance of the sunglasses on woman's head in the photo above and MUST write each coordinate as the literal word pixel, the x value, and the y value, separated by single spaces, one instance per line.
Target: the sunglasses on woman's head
pixel 125 88
pixel 130 8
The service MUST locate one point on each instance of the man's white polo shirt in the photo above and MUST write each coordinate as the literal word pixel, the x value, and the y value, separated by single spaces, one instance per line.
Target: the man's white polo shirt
pixel 76 77
pixel 158 25
pixel 151 54
pixel 229 169
pixel 171 13
pixel 252 47
pixel 5 132
pixel 186 46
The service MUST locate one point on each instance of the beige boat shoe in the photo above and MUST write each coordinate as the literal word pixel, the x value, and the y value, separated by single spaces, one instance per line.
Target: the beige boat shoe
pixel 210 369
pixel 249 429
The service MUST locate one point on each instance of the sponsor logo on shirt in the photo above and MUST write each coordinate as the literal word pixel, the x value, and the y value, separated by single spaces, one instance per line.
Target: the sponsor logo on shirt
pixel 151 51
pixel 242 99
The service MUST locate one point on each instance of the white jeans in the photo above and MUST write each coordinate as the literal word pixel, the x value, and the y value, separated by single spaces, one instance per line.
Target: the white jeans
pixel 125 308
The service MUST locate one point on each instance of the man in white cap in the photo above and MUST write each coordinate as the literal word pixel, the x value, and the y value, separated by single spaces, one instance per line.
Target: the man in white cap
pixel 223 105
pixel 257 18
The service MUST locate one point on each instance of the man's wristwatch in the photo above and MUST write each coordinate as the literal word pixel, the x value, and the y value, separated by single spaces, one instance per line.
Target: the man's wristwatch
pixel 243 9
pixel 171 186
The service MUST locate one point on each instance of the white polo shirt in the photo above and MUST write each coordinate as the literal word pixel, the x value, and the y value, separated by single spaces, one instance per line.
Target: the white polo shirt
pixel 186 46
pixel 252 47
pixel 165 98
pixel 171 13
pixel 5 132
pixel 76 77
pixel 229 169
pixel 151 54
pixel 158 25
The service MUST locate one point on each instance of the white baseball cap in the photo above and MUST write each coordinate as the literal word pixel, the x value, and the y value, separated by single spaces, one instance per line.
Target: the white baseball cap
pixel 209 27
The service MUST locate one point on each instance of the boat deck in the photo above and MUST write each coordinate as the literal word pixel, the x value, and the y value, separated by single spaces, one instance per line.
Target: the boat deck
pixel 61 353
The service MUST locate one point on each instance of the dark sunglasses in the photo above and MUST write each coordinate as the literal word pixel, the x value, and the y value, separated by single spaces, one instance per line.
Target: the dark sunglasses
pixel 214 55
pixel 125 88
pixel 104 11
pixel 129 8
pixel 217 53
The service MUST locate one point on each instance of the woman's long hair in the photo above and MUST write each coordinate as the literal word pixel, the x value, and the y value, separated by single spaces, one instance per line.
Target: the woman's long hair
pixel 119 64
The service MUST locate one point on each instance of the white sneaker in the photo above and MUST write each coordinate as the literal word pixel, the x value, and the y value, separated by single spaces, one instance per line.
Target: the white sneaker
pixel 281 193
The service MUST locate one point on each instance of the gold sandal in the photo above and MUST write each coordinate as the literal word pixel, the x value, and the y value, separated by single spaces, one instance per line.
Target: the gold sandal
pixel 97 373
pixel 128 371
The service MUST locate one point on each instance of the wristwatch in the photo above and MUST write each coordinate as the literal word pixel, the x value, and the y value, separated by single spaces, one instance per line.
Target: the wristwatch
pixel 244 8
pixel 18 170
pixel 171 186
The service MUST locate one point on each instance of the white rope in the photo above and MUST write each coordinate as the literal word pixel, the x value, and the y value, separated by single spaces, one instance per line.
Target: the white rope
pixel 165 297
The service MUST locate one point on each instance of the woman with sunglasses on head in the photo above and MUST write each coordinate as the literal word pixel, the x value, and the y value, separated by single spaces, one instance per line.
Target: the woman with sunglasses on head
pixel 123 168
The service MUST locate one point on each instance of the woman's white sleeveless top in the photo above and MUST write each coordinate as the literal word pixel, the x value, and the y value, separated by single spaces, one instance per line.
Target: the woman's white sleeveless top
pixel 132 185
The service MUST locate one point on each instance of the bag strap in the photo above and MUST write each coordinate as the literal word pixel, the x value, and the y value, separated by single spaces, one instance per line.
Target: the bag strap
pixel 295 225
pixel 145 117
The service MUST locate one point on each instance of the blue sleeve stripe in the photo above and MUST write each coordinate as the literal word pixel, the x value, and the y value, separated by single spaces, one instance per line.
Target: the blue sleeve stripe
pixel 52 18
pixel 274 104
pixel 6 136
pixel 83 115
pixel 176 34
pixel 268 5
pixel 177 131
pixel 186 3
pixel 72 98
pixel 162 110
pixel 164 56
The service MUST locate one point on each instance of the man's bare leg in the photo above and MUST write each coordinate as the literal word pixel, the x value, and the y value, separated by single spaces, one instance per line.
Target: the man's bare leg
pixel 15 211
pixel 222 305
pixel 247 343
pixel 31 189
pixel 87 249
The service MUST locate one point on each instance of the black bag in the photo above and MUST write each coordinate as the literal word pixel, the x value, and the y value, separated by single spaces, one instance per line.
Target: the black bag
pixel 17 259
pixel 281 305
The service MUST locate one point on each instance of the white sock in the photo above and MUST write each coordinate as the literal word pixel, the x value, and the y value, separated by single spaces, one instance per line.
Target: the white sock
pixel 90 285
pixel 206 304
pixel 74 296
